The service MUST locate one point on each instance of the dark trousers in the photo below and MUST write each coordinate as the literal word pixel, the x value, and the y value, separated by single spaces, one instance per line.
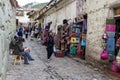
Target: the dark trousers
pixel 26 36
pixel 83 50
pixel 117 50
pixel 35 35
pixel 49 52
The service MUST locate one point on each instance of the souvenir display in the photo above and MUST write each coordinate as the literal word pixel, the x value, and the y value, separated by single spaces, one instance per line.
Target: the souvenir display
pixel 75 39
pixel 104 54
pixel 72 38
pixel 110 28
pixel 111 34
pixel 108 43
pixel 73 35
pixel 110 21
pixel 111 44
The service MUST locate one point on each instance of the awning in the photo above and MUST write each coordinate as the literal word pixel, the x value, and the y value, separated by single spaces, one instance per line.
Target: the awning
pixel 40 16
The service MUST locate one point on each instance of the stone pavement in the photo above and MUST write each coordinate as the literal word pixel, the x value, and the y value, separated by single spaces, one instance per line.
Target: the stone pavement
pixel 57 69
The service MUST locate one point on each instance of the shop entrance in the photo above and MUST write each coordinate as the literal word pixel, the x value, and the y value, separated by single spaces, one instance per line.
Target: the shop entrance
pixel 79 29
pixel 117 35
pixel 116 61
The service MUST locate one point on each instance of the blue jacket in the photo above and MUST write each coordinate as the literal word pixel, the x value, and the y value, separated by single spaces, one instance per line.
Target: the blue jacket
pixel 20 33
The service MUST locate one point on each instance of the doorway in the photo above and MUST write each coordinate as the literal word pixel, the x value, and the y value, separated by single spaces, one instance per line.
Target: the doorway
pixel 117 35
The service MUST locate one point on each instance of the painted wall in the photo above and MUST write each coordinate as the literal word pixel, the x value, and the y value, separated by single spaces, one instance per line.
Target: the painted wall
pixel 7 29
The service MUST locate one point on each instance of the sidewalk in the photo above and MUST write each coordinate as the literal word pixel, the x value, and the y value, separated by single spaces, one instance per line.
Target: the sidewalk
pixel 57 69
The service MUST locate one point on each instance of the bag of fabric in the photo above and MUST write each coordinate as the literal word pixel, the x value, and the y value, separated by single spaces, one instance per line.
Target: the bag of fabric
pixel 105 36
pixel 73 51
pixel 104 54
pixel 68 42
pixel 110 21
pixel 77 40
pixel 73 30
pixel 110 28
pixel 77 34
pixel 114 67
pixel 111 57
pixel 73 34
pixel 79 53
pixel 111 34
pixel 104 45
pixel 111 44
pixel 62 41
pixel 83 42
pixel 118 42
pixel 73 39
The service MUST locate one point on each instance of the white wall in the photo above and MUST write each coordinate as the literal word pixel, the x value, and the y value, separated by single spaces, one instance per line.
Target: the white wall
pixel 23 19
pixel 68 11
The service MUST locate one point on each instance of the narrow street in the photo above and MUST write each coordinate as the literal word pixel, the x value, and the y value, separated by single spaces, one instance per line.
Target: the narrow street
pixel 57 69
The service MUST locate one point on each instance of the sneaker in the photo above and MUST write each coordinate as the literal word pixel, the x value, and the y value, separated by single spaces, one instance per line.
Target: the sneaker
pixel 26 63
pixel 31 59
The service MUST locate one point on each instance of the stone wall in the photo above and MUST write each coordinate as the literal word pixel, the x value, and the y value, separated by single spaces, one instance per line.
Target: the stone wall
pixel 7 29
pixel 98 11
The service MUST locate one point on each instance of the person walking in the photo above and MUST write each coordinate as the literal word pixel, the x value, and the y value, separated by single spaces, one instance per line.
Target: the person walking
pixel 36 32
pixel 20 32
pixel 49 45
pixel 26 33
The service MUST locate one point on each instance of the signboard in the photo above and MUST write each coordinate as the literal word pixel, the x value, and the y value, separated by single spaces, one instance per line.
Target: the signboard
pixel 20 13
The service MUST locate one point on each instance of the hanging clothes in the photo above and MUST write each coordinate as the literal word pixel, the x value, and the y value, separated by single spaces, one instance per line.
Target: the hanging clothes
pixel 47 28
pixel 84 27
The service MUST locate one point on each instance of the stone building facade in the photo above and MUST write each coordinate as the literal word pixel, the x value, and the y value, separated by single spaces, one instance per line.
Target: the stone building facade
pixel 7 29
pixel 97 11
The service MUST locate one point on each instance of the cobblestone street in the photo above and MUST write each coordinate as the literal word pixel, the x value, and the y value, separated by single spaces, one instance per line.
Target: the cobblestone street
pixel 57 69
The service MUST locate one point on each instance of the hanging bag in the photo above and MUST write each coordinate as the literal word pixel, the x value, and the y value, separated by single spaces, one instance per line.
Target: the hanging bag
pixel 111 57
pixel 104 45
pixel 62 41
pixel 118 42
pixel 110 19
pixel 83 42
pixel 105 36
pixel 104 54
pixel 114 67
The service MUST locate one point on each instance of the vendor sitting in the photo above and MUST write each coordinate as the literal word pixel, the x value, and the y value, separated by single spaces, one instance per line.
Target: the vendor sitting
pixel 19 50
